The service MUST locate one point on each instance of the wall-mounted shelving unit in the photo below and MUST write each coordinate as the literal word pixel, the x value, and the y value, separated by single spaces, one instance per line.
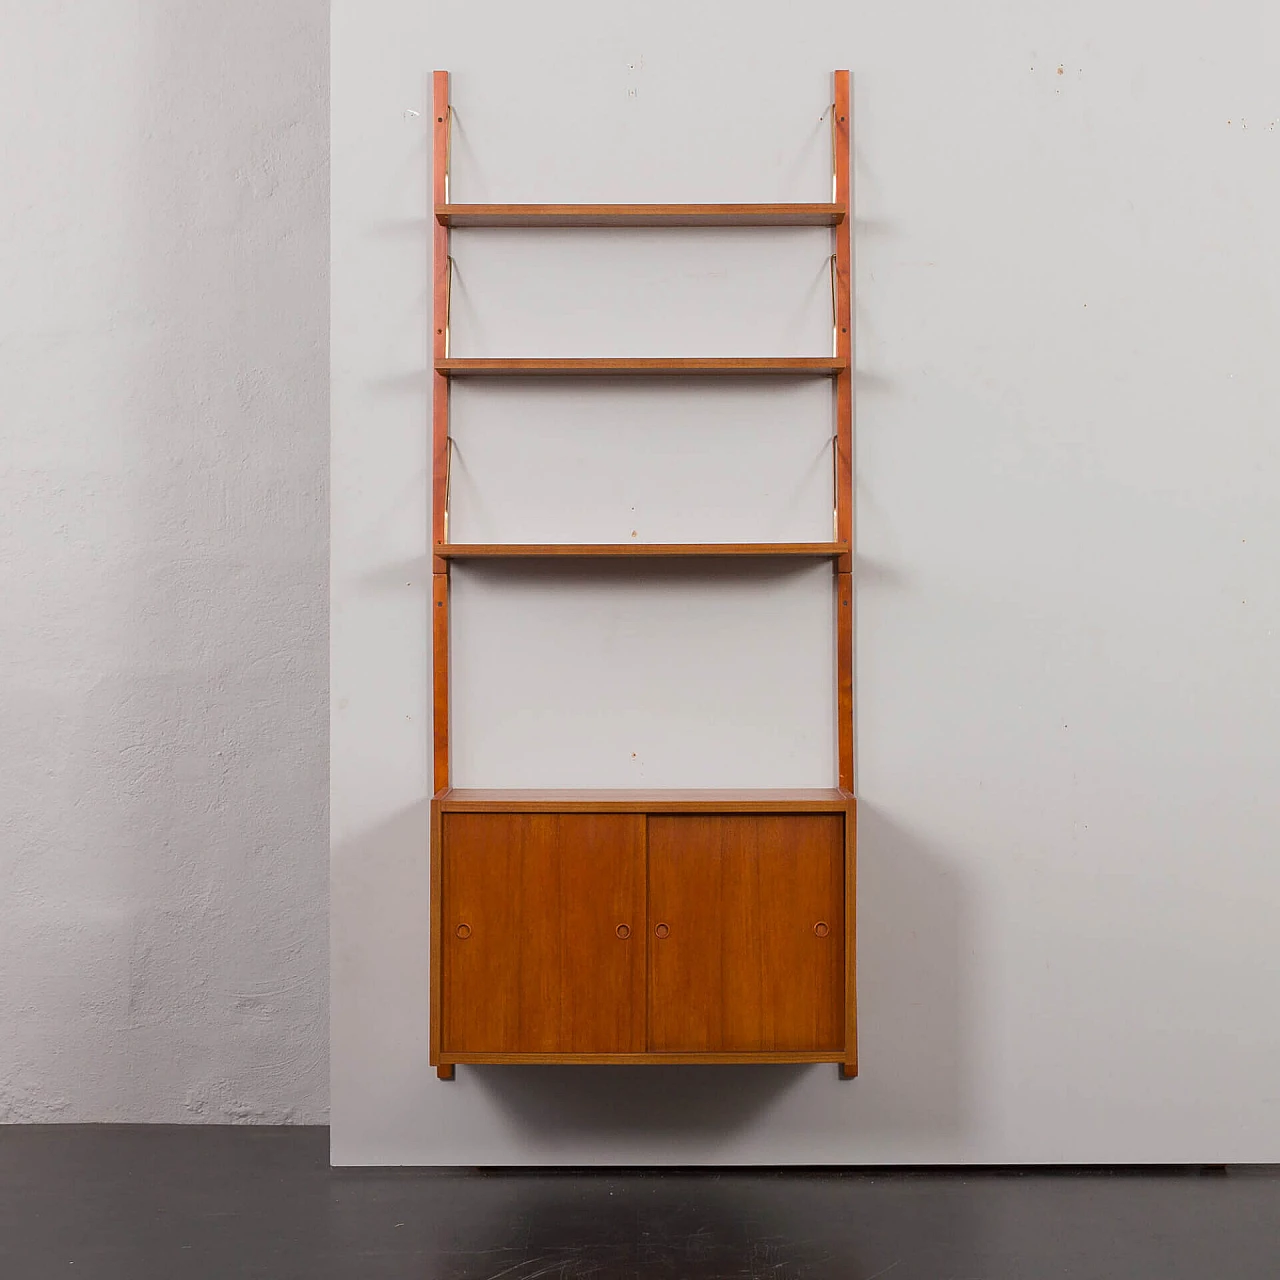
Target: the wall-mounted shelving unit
pixel 685 926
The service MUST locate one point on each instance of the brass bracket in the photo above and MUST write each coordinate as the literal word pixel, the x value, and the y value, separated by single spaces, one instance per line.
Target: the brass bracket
pixel 448 149
pixel 834 187
pixel 448 304
pixel 448 482
pixel 835 311
pixel 835 488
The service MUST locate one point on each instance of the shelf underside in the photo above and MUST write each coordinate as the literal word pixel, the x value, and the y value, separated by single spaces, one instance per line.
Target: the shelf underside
pixel 636 550
pixel 730 366
pixel 640 215
pixel 666 800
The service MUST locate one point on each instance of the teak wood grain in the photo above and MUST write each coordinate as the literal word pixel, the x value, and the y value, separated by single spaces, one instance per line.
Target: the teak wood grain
pixel 535 909
pixel 629 366
pixel 746 946
pixel 844 680
pixel 633 550
pixel 677 800
pixel 844 435
pixel 440 679
pixel 440 438
pixel 639 215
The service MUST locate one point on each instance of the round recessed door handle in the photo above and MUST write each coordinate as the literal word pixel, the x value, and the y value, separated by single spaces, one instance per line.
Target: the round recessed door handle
pixel 822 928
pixel 662 930
pixel 623 931
pixel 463 931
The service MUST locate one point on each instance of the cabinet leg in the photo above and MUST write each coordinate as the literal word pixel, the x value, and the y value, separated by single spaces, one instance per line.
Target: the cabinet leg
pixel 848 1070
pixel 444 1071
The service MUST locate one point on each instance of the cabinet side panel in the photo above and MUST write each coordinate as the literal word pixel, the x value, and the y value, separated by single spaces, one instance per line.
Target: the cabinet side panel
pixel 436 855
pixel 753 955
pixel 850 1067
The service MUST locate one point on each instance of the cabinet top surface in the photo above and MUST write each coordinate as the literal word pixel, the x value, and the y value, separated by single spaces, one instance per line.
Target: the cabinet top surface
pixel 721 800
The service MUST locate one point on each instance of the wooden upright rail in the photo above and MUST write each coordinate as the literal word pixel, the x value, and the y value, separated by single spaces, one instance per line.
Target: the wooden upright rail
pixel 440 436
pixel 844 434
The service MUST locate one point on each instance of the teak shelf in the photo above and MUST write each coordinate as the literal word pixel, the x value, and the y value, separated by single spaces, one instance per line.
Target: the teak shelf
pixel 796 366
pixel 640 215
pixel 635 550
pixel 643 926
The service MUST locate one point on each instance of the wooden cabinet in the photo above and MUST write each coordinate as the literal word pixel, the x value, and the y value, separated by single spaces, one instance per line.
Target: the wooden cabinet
pixel 632 935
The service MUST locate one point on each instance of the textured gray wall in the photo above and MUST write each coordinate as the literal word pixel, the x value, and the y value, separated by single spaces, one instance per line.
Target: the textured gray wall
pixel 163 406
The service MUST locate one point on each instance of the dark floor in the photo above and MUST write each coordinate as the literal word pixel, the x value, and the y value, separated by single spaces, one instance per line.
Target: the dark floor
pixel 97 1203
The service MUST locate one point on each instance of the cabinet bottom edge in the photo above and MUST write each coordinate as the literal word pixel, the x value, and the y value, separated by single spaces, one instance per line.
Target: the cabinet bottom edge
pixel 639 1059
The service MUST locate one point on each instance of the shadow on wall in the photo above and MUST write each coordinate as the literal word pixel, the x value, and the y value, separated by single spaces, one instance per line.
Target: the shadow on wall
pixel 380 976
pixel 555 1103
pixel 913 985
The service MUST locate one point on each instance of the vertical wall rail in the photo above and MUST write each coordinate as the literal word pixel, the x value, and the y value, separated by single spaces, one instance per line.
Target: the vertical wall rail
pixel 844 432
pixel 440 437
